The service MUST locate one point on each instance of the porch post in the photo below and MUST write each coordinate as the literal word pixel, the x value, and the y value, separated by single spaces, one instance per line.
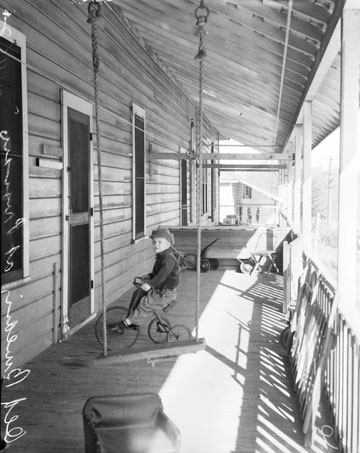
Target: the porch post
pixel 306 193
pixel 349 154
pixel 297 177
pixel 289 191
pixel 281 195
pixel 289 185
pixel 217 191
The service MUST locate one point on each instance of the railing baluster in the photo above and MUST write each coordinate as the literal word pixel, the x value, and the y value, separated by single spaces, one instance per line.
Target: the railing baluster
pixel 342 369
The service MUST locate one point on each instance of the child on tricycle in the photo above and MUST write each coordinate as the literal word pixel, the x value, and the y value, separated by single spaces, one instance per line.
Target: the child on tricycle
pixel 156 289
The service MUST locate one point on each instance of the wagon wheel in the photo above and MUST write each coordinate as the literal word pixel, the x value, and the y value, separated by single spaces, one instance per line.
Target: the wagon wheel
pixel 246 266
pixel 204 265
pixel 190 261
pixel 214 263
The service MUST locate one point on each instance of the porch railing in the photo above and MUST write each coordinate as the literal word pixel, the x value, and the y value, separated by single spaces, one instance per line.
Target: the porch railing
pixel 324 358
pixel 342 384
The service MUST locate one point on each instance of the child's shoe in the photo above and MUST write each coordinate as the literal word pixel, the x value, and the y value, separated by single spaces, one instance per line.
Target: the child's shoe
pixel 123 326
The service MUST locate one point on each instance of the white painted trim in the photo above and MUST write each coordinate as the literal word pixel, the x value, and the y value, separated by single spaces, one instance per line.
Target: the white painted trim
pixel 136 110
pixel 83 106
pixel 352 4
pixel 306 192
pixel 79 326
pixel 299 133
pixel 332 49
pixel 180 193
pixel 349 160
pixel 11 34
pixel 49 163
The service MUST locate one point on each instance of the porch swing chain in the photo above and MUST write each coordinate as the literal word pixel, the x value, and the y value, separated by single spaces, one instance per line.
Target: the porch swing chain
pixel 201 14
pixel 94 14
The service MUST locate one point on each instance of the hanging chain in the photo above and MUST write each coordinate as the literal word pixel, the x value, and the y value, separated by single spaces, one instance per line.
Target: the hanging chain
pixel 201 14
pixel 94 14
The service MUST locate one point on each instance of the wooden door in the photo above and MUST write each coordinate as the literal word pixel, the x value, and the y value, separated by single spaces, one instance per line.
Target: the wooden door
pixel 79 216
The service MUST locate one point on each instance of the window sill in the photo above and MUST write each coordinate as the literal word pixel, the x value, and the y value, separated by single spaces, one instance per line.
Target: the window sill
pixel 13 285
pixel 135 241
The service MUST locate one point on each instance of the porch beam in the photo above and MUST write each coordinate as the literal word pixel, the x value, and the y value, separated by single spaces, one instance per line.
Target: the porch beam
pixel 237 156
pixel 221 156
pixel 327 60
pixel 349 155
pixel 249 169
pixel 246 167
pixel 319 58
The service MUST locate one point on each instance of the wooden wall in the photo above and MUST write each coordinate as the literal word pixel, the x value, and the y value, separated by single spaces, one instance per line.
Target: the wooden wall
pixel 59 56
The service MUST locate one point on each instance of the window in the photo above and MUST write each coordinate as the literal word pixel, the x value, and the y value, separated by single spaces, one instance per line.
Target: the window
pixel 138 174
pixel 213 185
pixel 14 156
pixel 204 192
pixel 247 192
pixel 192 170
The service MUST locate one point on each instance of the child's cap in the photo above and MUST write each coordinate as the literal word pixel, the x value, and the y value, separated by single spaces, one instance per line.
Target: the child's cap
pixel 163 233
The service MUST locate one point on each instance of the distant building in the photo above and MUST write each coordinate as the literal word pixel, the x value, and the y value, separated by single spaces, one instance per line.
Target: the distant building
pixel 245 203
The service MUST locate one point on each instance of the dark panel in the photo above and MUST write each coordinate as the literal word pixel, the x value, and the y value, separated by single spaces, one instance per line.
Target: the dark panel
pixel 79 132
pixel 139 208
pixel 184 192
pixel 11 144
pixel 79 263
pixel 139 147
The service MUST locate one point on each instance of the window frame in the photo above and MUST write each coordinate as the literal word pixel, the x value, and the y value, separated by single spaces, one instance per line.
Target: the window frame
pixel 14 36
pixel 137 112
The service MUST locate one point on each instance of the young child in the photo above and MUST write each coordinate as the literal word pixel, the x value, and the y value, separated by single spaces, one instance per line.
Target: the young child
pixel 159 287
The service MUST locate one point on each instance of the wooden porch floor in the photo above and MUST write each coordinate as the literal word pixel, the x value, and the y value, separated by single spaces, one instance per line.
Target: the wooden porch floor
pixel 235 396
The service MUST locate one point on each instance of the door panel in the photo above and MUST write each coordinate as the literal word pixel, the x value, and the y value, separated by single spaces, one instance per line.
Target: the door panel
pixel 79 217
pixel 79 265
pixel 79 134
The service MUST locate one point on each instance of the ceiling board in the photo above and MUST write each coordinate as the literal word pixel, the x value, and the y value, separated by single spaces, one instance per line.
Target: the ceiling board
pixel 245 45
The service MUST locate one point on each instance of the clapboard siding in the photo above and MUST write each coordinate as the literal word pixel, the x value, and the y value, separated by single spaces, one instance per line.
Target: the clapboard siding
pixel 45 227
pixel 59 57
pixel 36 207
pixel 43 247
pixel 114 201
pixel 38 85
pixel 43 339
pixel 43 267
pixel 37 100
pixel 42 126
pixel 20 299
pixel 44 187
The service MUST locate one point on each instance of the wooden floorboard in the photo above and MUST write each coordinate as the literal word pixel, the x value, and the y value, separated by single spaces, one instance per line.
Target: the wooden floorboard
pixel 234 396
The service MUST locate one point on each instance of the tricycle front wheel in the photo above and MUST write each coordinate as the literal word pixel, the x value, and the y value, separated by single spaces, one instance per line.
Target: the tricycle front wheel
pixel 118 337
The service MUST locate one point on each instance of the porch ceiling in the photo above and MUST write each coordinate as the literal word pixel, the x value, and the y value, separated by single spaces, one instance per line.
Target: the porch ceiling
pixel 245 46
